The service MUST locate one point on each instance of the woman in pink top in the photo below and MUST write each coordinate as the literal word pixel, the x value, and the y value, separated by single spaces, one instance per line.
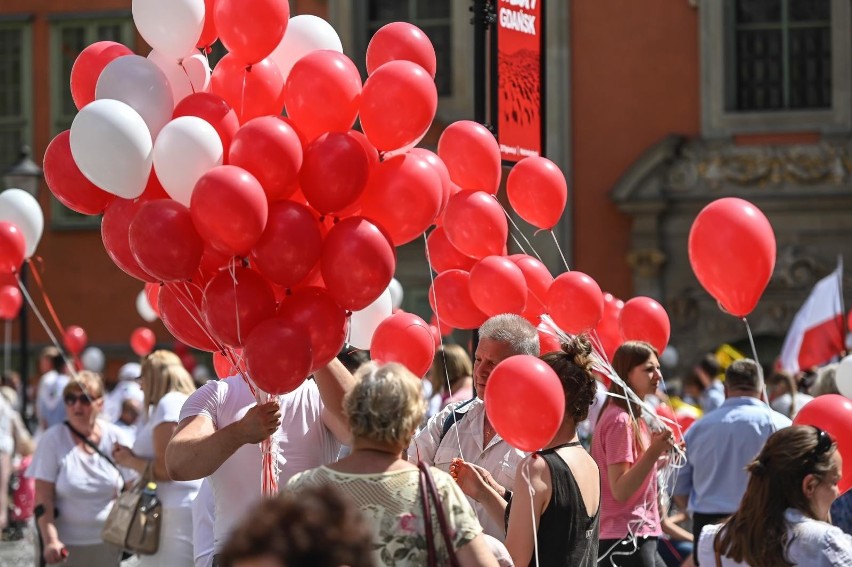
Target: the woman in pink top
pixel 627 452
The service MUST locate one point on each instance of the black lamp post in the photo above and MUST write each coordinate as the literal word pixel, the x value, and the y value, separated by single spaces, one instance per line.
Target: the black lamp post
pixel 24 174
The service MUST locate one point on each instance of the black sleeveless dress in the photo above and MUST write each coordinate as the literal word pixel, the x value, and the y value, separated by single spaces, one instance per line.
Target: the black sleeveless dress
pixel 566 535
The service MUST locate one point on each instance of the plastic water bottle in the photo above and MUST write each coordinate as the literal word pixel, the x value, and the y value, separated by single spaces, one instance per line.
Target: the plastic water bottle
pixel 149 496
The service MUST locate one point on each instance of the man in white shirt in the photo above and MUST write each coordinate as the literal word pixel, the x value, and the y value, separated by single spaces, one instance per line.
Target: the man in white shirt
pixel 221 426
pixel 50 408
pixel 469 435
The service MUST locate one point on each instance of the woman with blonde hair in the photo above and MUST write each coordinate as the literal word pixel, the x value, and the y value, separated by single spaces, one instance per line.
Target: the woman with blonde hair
pixel 75 481
pixel 166 385
pixel 783 518
pixel 452 375
pixel 384 409
pixel 627 452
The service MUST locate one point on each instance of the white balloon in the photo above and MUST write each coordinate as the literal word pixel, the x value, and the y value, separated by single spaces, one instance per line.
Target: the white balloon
pixel 843 377
pixel 363 323
pixel 395 289
pixel 112 146
pixel 186 76
pixel 188 147
pixel 93 359
pixel 304 34
pixel 21 209
pixel 140 84
pixel 172 27
pixel 143 307
pixel 669 357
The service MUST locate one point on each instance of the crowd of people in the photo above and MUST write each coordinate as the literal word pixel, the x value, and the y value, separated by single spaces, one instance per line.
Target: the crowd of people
pixel 378 467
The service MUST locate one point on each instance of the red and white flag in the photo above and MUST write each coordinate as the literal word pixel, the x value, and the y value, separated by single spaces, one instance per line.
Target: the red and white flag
pixel 816 335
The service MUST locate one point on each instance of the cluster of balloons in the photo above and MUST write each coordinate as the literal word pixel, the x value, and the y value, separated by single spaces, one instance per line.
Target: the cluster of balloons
pixel 21 227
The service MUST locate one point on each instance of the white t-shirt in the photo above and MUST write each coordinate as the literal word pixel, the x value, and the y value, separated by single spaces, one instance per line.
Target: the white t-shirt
pixel 124 390
pixel 303 440
pixel 203 520
pixel 85 484
pixel 172 494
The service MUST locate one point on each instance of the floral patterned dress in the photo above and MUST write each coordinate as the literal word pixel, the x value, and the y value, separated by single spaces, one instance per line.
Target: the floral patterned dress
pixel 392 502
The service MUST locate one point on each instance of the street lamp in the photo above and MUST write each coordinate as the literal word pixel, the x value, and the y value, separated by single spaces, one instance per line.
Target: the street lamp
pixel 24 174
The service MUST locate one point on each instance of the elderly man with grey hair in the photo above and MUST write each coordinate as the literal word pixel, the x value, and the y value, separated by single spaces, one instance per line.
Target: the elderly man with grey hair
pixel 462 430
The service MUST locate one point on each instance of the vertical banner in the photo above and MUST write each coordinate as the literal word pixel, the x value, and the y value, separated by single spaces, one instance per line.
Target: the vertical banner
pixel 519 101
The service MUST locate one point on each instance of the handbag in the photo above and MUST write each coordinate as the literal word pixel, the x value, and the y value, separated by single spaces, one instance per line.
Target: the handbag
pixel 134 521
pixel 430 493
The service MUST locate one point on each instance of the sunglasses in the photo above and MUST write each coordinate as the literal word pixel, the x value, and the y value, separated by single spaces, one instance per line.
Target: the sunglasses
pixel 71 399
pixel 823 446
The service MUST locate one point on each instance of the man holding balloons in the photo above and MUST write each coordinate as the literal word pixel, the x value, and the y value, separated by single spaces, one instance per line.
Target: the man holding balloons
pixel 463 431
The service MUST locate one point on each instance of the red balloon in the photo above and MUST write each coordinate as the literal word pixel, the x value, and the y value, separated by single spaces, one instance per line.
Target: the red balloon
pixel 251 29
pixel 575 302
pixel 154 189
pixel 548 340
pixel 443 255
pixel 164 241
pixel 278 356
pixel 643 319
pixel 472 156
pixel 476 224
pixel 357 263
pixel 537 191
pixel 369 149
pixel 524 401
pixel 335 172
pixel 213 109
pixel 270 149
pixel 401 41
pixel 180 311
pixel 116 237
pixel 67 182
pixel 497 285
pixel 75 339
pixel 538 280
pixel 152 292
pixel 732 252
pixel 290 246
pixel 235 303
pixel 142 341
pixel 88 66
pixel 208 32
pixel 439 168
pixel 13 248
pixel 450 299
pixel 251 92
pixel 403 196
pixel 608 329
pixel 223 366
pixel 404 338
pixel 397 105
pixel 229 209
pixel 833 414
pixel 11 300
pixel 322 93
pixel 313 309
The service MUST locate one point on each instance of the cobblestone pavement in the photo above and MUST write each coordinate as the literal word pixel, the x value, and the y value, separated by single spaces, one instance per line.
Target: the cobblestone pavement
pixel 21 553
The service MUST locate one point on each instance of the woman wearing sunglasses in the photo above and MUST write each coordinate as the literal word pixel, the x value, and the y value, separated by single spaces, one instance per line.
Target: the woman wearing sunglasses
pixel 76 482
pixel 783 518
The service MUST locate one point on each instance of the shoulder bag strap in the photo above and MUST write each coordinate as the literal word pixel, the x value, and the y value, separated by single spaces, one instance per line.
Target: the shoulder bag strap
pixel 439 511
pixel 431 555
pixel 94 448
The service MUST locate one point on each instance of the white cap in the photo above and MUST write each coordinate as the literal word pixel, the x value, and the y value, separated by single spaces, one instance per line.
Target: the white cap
pixel 130 371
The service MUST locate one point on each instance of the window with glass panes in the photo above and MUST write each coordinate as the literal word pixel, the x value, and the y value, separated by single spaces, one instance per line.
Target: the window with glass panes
pixel 68 39
pixel 780 53
pixel 15 109
pixel 432 16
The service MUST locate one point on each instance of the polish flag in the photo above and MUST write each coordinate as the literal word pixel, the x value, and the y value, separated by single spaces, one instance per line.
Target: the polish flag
pixel 816 334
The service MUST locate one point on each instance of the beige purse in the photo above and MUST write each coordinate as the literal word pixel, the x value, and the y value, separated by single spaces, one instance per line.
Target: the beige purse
pixel 134 521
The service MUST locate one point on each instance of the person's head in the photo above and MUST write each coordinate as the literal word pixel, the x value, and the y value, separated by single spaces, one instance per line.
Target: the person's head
pixel 707 368
pixel 451 362
pixel 692 386
pixel 573 366
pixel 779 383
pixel 11 379
pixel 130 411
pixel 46 357
pixel 58 364
pixel 163 372
pixel 83 398
pixel 799 467
pixel 500 337
pixel 637 363
pixel 825 381
pixel 315 527
pixel 385 406
pixel 742 378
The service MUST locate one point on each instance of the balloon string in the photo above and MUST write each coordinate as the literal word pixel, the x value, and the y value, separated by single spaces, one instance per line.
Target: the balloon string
pixel 47 302
pixel 188 78
pixel 756 360
pixel 441 339
pixel 195 318
pixel 243 91
pixel 559 248
pixel 518 229
pixel 7 346
pixel 232 269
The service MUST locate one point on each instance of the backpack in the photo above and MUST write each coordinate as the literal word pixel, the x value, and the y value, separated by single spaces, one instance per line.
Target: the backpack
pixel 455 417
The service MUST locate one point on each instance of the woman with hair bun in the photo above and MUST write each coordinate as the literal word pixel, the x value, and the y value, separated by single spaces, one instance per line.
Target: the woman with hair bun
pixel 783 518
pixel 564 478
